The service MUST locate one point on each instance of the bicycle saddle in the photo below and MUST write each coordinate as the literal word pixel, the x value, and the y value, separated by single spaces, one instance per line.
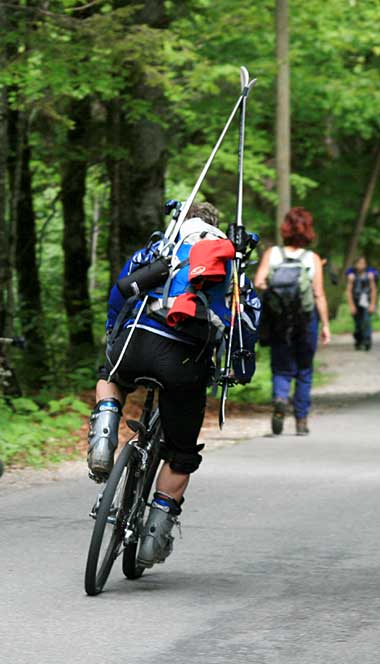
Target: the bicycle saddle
pixel 148 381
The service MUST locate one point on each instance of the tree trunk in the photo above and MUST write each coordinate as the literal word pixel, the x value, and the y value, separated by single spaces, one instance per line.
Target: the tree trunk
pixel 137 182
pixel 25 258
pixel 282 115
pixel 16 135
pixel 335 293
pixel 94 242
pixel 76 260
pixel 29 289
pixel 137 177
pixel 145 178
pixel 3 207
pixel 117 170
pixel 3 189
pixel 363 214
pixel 8 381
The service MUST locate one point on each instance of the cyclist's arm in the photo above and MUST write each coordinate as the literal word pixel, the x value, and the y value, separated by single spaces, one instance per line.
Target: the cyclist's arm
pixel 116 300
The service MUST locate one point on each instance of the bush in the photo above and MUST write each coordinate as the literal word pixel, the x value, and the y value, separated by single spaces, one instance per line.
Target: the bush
pixel 31 435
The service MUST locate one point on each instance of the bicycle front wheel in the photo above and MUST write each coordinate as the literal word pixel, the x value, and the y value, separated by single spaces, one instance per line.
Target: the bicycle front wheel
pixel 107 536
pixel 130 567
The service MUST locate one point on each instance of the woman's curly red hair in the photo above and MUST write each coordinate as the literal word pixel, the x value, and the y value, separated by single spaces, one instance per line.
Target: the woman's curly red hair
pixel 297 228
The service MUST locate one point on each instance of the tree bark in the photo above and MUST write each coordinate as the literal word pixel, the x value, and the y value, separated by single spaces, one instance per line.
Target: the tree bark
pixel 94 242
pixel 25 256
pixel 335 293
pixel 76 260
pixel 117 171
pixel 282 114
pixel 29 289
pixel 137 181
pixel 137 177
pixel 3 207
pixel 363 214
pixel 3 189
pixel 8 380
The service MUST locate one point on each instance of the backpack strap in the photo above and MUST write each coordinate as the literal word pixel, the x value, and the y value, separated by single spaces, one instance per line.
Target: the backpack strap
pixel 287 259
pixel 283 254
pixel 166 288
pixel 123 313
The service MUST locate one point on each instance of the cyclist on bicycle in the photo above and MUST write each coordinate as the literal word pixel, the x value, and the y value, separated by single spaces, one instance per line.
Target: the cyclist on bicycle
pixel 181 361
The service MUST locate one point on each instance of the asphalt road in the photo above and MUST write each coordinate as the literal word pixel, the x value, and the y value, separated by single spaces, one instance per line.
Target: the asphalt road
pixel 279 562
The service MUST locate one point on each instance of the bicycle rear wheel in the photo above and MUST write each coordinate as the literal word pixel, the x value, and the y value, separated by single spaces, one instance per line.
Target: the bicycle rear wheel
pixel 130 567
pixel 107 536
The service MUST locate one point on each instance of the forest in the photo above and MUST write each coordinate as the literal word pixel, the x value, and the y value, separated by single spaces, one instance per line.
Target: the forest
pixel 110 107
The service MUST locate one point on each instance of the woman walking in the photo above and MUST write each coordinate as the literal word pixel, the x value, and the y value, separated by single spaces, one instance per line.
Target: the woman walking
pixel 293 344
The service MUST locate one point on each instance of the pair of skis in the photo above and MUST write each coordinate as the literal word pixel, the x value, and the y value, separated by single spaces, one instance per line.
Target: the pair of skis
pixel 238 236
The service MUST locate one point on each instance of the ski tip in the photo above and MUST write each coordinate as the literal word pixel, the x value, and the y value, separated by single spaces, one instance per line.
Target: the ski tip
pixel 251 85
pixel 244 77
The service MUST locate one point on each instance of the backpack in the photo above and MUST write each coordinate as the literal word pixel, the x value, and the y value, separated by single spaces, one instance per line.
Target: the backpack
pixel 212 314
pixel 173 280
pixel 361 290
pixel 167 278
pixel 289 299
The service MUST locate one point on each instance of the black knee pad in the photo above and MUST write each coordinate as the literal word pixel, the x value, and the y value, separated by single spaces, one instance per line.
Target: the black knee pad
pixel 182 462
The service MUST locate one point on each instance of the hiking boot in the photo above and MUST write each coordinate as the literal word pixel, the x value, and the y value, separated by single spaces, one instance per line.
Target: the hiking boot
pixel 367 345
pixel 301 426
pixel 157 540
pixel 103 438
pixel 278 417
pixel 358 345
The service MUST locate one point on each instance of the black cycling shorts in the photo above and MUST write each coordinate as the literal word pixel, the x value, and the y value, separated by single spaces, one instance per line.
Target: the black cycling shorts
pixel 184 376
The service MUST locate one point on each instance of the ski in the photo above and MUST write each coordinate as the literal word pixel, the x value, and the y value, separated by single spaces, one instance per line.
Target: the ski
pixel 238 236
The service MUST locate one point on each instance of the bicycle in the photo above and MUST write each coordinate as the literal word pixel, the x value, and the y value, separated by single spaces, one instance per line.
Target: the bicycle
pixel 119 509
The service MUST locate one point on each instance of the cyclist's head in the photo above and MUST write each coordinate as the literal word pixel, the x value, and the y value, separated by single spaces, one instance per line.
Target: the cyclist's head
pixel 205 211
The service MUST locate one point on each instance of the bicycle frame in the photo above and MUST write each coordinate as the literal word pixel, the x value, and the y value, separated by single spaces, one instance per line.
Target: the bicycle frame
pixel 143 445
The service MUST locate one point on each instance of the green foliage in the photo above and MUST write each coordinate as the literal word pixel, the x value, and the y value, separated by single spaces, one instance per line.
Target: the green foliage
pixel 67 51
pixel 343 322
pixel 31 435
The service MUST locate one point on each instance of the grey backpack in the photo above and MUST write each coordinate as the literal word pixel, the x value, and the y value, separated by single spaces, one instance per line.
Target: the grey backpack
pixel 289 298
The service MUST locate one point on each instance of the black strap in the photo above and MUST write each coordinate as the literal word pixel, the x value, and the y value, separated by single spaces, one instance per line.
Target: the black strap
pixel 126 309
